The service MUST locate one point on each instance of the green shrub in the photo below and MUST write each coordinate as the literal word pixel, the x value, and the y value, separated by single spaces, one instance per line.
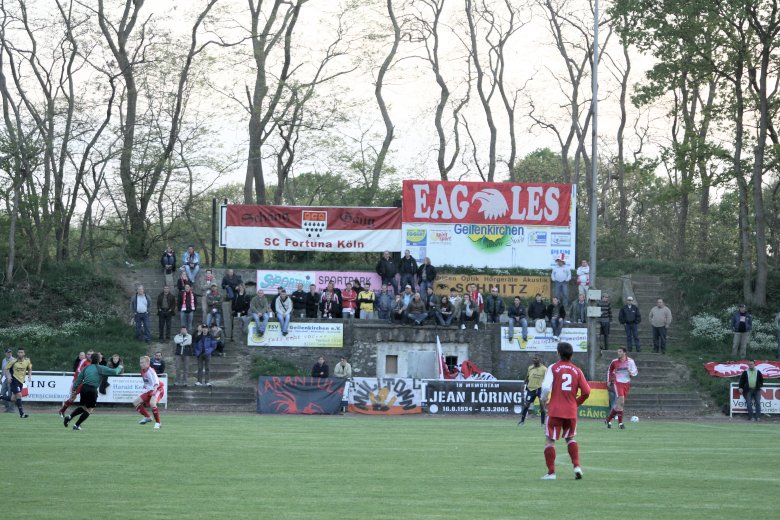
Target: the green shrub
pixel 271 366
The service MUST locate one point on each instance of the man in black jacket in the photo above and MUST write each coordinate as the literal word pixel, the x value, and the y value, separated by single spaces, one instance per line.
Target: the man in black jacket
pixel 750 383
pixel 298 298
pixel 312 302
pixel 516 314
pixel 320 368
pixel 630 318
pixel 408 269
pixel 494 306
pixel 387 269
pixel 556 314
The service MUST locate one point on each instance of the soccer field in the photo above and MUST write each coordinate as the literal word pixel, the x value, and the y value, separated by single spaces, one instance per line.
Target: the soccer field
pixel 361 467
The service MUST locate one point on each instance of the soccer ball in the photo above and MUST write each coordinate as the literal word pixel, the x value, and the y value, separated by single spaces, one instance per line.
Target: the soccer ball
pixel 634 418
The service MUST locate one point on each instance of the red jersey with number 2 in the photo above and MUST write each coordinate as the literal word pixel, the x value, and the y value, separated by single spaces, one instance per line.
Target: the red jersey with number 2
pixel 564 381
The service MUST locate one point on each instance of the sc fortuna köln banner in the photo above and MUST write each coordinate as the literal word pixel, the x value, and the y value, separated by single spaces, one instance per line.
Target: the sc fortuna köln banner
pixel 323 228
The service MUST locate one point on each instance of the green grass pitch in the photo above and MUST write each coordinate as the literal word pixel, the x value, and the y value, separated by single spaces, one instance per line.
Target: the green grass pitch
pixel 345 467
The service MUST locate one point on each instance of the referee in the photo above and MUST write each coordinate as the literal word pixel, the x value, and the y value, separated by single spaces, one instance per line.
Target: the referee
pixel 89 379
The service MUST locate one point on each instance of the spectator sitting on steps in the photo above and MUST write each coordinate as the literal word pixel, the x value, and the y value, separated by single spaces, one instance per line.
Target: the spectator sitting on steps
pixel 259 311
pixel 416 312
pixel 343 369
pixel 230 283
pixel 214 306
pixel 517 314
pixel 469 311
pixel 578 311
pixel 398 310
pixel 494 306
pixel 208 281
pixel 444 314
pixel 556 314
pixel 284 311
pixel 216 333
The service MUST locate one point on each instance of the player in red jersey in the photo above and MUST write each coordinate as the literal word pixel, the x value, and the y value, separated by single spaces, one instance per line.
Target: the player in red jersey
pixel 154 391
pixel 620 372
pixel 84 363
pixel 561 384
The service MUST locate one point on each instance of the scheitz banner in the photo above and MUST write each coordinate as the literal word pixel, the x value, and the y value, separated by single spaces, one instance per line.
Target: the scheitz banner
pixel 487 203
pixel 297 228
pixel 768 369
pixel 498 225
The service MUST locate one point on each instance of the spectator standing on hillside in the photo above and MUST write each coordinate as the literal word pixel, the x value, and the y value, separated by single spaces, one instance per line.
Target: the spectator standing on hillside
pixel 141 305
pixel 741 324
pixel 182 351
pixel 188 305
pixel 230 283
pixel 5 380
pixel 750 383
pixel 583 278
pixel 190 260
pixel 348 301
pixel 619 375
pixel 320 368
pixel 343 369
pixel 298 298
pixel 166 308
pixel 556 313
pixel 259 311
pixel 494 306
pixel 330 303
pixel 284 309
pixel 384 302
pixel 561 275
pixel 240 307
pixel 426 274
pixel 386 269
pixel 606 319
pixel 533 388
pixel 660 319
pixel 158 363
pixel 408 269
pixel 366 298
pixel 312 301
pixel 517 315
pixel 578 311
pixel 630 318
pixel 168 262
pixel 214 306
pixel 205 345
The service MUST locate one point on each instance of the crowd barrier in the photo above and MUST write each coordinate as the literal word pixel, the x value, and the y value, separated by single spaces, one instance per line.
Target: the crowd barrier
pixel 54 387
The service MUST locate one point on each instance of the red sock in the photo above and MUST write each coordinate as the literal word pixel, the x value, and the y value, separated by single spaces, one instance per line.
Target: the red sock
pixel 156 413
pixel 574 452
pixel 620 416
pixel 142 410
pixel 611 415
pixel 66 405
pixel 549 458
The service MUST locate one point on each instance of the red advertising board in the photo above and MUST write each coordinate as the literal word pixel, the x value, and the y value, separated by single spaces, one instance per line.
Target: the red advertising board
pixel 487 203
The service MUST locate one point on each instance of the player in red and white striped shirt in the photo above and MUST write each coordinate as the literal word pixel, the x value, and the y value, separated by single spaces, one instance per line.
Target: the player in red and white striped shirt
pixel 562 382
pixel 154 390
pixel 619 374
pixel 84 363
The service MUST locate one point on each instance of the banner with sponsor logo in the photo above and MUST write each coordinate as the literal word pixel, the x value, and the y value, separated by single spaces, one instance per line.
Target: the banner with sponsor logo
pixel 538 342
pixel 596 406
pixel 299 395
pixel 525 287
pixel 55 387
pixel 770 399
pixel 769 369
pixel 490 224
pixel 385 396
pixel 297 228
pixel 300 334
pixel 493 397
pixel 270 280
